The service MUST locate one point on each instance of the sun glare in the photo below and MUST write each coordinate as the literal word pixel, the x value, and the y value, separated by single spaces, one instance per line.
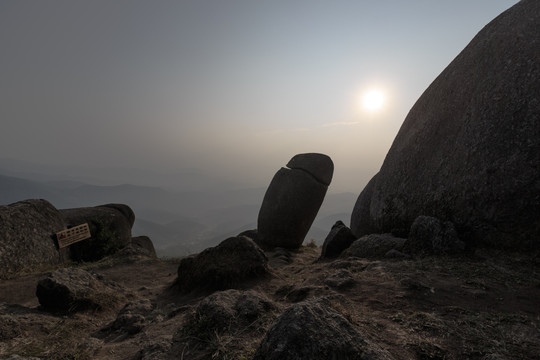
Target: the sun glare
pixel 373 100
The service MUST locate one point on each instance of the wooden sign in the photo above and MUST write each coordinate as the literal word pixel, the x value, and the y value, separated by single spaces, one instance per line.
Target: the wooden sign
pixel 73 235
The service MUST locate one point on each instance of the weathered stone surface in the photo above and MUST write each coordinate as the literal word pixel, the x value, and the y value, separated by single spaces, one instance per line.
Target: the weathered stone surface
pixel 222 267
pixel 292 201
pixel 133 317
pixel 124 209
pixel 339 239
pixel 230 308
pixel 429 235
pixel 139 247
pixel 320 166
pixel 110 226
pixel 469 149
pixel 374 246
pixel 72 290
pixel 312 330
pixel 27 236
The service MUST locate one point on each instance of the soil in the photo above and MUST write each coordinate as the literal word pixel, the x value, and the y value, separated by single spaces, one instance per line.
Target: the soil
pixel 480 306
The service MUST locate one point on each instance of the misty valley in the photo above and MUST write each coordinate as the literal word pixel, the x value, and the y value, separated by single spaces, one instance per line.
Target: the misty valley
pixel 190 212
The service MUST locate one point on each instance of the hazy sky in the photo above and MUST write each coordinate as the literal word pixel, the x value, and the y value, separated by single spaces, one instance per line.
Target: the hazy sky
pixel 231 87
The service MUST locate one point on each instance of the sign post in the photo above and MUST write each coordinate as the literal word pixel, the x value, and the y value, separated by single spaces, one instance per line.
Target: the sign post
pixel 73 235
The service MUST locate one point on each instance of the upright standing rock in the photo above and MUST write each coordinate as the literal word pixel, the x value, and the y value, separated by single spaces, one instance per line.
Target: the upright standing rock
pixel 293 200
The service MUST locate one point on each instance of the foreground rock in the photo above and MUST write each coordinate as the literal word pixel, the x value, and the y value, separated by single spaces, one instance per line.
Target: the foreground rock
pixel 293 199
pixel 71 290
pixel 27 236
pixel 222 267
pixel 339 239
pixel 374 246
pixel 469 149
pixel 110 226
pixel 312 330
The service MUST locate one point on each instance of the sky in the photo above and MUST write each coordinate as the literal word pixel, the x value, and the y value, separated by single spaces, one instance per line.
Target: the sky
pixel 233 88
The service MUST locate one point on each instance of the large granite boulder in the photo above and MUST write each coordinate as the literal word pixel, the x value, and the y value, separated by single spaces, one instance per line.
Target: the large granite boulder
pixel 293 200
pixel 110 226
pixel 27 236
pixel 225 266
pixel 469 150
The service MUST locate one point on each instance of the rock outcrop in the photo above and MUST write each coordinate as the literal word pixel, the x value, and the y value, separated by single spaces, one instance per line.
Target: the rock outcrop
pixel 312 330
pixel 71 290
pixel 27 236
pixel 469 150
pixel 222 267
pixel 110 226
pixel 293 199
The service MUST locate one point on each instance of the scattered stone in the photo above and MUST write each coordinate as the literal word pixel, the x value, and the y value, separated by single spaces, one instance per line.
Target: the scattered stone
pixel 227 309
pixel 339 239
pixel 222 267
pixel 133 317
pixel 110 227
pixel 279 257
pixel 374 246
pixel 428 235
pixel 9 328
pixel 340 280
pixel 28 236
pixel 72 290
pixel 312 330
pixel 469 149
pixel 292 201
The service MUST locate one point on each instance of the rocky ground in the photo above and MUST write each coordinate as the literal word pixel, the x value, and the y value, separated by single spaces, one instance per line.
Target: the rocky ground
pixel 481 306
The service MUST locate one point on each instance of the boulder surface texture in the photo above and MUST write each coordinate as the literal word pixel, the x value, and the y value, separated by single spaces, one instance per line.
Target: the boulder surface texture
pixel 110 226
pixel 72 290
pixel 27 236
pixel 312 330
pixel 469 150
pixel 293 200
pixel 222 267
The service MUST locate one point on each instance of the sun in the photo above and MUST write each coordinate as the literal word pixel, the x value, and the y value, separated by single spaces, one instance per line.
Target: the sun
pixel 373 100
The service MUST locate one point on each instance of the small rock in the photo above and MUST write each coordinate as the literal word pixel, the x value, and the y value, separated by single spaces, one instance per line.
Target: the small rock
pixel 339 239
pixel 72 290
pixel 395 254
pixel 132 318
pixel 340 280
pixel 9 327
